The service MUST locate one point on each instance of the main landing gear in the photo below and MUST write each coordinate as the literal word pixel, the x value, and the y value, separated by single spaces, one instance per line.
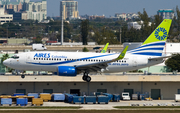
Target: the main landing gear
pixel 23 76
pixel 86 77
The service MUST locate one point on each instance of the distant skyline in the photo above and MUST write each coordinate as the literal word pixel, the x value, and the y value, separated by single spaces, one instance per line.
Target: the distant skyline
pixel 110 7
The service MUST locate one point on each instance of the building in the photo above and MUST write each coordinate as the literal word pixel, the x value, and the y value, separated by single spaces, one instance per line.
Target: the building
pixel 4 18
pixel 121 16
pixel 154 86
pixel 23 1
pixel 33 10
pixel 127 16
pixel 166 13
pixel 69 9
pixel 96 16
pixel 136 25
pixel 37 10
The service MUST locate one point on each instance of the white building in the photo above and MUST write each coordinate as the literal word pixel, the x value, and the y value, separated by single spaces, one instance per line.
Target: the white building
pixel 126 16
pixel 166 13
pixel 37 10
pixel 5 17
pixel 23 1
pixel 136 25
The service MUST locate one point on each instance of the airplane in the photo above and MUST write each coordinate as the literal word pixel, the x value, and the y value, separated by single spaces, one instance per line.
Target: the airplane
pixel 105 48
pixel 73 63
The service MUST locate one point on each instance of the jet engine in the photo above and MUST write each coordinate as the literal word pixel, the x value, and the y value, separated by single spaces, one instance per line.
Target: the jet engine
pixel 66 71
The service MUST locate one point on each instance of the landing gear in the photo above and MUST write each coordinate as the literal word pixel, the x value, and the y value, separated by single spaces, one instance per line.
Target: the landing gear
pixel 22 76
pixel 86 77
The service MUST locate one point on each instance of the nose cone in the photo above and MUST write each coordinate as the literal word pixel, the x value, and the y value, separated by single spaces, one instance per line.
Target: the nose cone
pixel 6 62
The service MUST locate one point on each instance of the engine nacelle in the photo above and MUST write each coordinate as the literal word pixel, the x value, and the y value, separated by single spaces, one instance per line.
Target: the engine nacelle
pixel 66 71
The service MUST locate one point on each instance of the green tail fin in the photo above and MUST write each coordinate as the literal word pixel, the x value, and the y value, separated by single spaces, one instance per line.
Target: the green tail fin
pixel 160 33
pixel 105 48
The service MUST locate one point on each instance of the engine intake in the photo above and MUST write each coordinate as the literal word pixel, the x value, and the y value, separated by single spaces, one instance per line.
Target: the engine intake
pixel 66 71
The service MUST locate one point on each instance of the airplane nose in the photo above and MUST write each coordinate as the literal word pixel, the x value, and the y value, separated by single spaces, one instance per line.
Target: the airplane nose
pixel 6 62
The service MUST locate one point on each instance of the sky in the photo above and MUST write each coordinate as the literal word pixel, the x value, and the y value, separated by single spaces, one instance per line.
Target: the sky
pixel 110 7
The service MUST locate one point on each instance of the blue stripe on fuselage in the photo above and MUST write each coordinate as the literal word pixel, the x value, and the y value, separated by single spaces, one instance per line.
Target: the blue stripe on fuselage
pixel 69 61
pixel 149 53
pixel 154 44
pixel 148 49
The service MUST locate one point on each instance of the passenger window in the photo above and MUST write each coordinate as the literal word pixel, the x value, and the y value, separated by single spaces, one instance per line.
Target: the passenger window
pixel 64 59
pixel 49 58
pixel 34 58
pixel 124 61
pixel 41 58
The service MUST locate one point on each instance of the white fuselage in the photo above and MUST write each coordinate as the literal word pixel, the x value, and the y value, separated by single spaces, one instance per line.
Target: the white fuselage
pixel 49 61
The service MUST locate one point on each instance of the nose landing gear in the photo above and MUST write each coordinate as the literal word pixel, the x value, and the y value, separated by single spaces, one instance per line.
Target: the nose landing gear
pixel 22 76
pixel 86 77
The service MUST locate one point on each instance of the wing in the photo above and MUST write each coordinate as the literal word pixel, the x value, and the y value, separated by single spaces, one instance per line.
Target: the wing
pixel 95 67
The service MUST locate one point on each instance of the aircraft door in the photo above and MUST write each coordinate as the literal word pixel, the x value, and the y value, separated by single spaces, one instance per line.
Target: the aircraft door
pixel 28 58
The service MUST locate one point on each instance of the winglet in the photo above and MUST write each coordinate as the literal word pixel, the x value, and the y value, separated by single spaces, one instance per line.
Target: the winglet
pixel 105 48
pixel 121 56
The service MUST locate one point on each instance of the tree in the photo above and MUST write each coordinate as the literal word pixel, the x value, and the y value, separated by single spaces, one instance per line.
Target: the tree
pixel 85 49
pixel 4 57
pixel 105 35
pixel 174 62
pixel 146 29
pixel 84 31
pixel 38 39
pixel 2 66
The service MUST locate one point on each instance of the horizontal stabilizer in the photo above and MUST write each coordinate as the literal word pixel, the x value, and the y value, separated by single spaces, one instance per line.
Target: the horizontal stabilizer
pixel 162 57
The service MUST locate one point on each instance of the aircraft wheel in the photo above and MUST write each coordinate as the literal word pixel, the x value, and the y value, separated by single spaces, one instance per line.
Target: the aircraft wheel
pixel 22 76
pixel 88 79
pixel 85 74
pixel 84 78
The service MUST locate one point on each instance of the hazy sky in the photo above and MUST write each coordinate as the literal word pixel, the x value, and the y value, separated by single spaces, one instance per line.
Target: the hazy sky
pixel 110 7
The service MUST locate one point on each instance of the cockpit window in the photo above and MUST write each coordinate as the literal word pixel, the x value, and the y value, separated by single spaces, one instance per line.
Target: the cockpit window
pixel 15 57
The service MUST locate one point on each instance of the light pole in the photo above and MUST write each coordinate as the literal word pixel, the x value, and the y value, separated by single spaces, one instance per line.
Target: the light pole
pixel 48 30
pixel 7 33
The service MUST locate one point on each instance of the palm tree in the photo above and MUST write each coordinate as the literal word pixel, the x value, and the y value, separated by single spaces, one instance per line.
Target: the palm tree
pixel 3 58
